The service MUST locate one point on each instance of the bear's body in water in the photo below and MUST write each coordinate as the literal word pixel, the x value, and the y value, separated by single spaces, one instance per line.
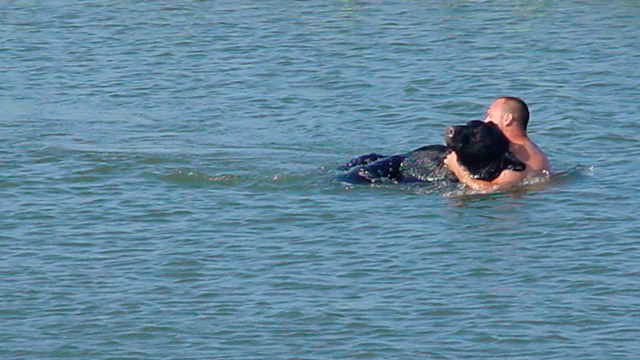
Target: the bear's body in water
pixel 481 148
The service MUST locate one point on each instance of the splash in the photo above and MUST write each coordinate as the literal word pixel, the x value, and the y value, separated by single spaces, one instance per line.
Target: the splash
pixel 537 183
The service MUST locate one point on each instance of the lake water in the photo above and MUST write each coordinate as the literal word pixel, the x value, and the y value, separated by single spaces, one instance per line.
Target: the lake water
pixel 168 185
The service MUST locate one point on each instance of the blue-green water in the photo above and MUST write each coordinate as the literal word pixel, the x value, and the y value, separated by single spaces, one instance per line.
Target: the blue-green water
pixel 167 181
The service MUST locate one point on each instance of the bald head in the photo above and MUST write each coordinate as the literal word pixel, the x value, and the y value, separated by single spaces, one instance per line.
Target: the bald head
pixel 517 107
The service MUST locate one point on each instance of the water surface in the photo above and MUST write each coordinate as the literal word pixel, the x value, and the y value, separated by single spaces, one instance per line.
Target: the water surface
pixel 168 181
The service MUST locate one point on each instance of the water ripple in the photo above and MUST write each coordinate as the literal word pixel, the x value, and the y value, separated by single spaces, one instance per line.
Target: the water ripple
pixel 168 185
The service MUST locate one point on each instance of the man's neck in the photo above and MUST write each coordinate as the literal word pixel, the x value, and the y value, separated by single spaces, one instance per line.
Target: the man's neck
pixel 516 137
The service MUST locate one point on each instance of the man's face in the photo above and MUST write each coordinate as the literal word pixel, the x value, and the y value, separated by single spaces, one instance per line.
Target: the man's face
pixel 494 114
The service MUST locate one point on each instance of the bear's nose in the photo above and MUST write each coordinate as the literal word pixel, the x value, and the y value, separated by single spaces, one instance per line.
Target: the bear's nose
pixel 449 131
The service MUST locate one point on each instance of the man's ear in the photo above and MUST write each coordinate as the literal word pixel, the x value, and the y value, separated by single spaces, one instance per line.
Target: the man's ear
pixel 507 119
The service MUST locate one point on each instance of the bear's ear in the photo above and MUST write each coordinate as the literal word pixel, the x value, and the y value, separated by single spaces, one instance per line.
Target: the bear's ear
pixel 509 161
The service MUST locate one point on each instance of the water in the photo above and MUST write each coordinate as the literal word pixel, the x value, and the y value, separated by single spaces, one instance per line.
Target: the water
pixel 168 185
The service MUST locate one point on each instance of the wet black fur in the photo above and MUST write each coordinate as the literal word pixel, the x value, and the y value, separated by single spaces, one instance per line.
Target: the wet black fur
pixel 481 148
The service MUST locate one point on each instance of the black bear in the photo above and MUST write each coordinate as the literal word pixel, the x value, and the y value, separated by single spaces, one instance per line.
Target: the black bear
pixel 481 148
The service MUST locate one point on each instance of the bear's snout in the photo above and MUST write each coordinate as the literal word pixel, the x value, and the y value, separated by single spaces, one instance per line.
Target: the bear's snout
pixel 449 131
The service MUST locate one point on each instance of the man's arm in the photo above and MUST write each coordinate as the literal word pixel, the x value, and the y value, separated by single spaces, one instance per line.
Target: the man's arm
pixel 505 180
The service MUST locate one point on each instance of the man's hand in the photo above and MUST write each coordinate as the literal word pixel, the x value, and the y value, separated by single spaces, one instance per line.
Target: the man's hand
pixel 451 161
pixel 505 180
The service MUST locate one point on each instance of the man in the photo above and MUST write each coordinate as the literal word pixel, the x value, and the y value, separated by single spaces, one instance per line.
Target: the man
pixel 511 115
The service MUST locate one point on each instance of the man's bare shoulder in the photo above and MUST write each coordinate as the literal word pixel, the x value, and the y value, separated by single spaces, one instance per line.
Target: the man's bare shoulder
pixel 536 161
